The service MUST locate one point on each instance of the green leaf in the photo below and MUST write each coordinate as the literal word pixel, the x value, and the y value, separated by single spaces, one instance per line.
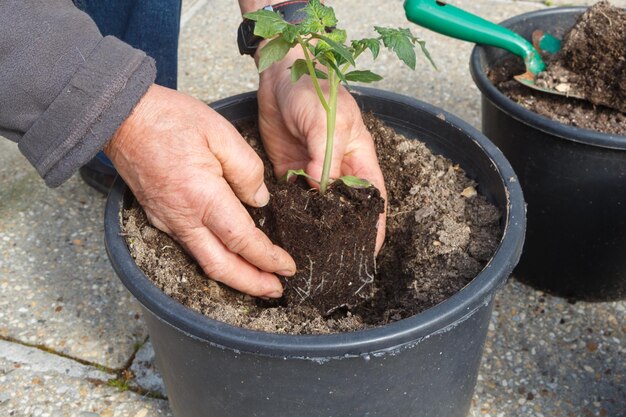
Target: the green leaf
pixel 338 35
pixel 311 48
pixel 320 74
pixel 355 182
pixel 268 23
pixel 321 48
pixel 290 33
pixel 319 17
pixel 426 53
pixel 401 42
pixel 274 51
pixel 370 43
pixel 332 64
pixel 298 69
pixel 363 76
pixel 297 173
pixel 338 48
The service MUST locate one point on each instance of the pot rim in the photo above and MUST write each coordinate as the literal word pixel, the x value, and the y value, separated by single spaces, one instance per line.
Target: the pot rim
pixel 523 115
pixel 387 338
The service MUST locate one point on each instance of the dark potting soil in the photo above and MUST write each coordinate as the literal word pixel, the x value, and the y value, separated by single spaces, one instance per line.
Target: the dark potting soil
pixel 592 59
pixel 440 234
pixel 331 238
pixel 591 63
pixel 569 111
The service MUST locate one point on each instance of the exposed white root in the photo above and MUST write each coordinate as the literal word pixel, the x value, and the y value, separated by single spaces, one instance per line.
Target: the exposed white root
pixel 320 286
pixel 365 276
pixel 340 262
pixel 305 293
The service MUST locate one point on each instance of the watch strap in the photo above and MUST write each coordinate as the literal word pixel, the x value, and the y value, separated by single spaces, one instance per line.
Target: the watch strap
pixel 291 11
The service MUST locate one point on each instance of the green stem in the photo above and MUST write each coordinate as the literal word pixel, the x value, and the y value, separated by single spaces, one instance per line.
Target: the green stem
pixel 316 83
pixel 331 118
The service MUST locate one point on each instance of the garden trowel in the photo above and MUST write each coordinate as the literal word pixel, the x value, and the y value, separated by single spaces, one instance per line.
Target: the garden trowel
pixel 451 21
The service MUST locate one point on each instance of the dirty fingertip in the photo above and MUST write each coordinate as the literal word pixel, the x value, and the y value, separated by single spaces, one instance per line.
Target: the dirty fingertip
pixel 262 196
pixel 287 272
pixel 274 294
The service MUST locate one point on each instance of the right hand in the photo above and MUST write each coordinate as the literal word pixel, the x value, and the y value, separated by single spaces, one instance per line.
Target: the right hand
pixel 292 122
pixel 190 169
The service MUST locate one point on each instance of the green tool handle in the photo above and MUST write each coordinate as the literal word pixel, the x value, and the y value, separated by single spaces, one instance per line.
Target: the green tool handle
pixel 452 21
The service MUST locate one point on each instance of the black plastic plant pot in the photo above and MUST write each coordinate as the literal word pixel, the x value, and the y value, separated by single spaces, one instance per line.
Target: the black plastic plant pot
pixel 425 365
pixel 574 182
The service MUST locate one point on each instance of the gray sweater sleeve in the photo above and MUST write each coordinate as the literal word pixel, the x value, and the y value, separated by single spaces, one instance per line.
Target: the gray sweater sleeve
pixel 64 89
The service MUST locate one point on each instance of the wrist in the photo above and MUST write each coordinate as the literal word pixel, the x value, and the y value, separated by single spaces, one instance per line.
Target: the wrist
pixel 248 6
pixel 117 147
pixel 291 11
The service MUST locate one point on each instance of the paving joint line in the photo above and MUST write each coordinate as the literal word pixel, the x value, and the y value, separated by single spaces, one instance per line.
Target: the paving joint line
pixel 121 384
pixel 118 378
pixel 131 359
pixel 51 351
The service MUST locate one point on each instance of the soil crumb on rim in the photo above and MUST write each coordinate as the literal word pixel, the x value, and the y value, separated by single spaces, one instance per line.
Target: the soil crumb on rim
pixel 440 234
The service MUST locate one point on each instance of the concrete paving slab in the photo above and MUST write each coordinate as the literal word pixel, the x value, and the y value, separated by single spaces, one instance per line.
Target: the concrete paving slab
pixel 37 383
pixel 547 357
pixel 190 9
pixel 210 65
pixel 616 3
pixel 26 391
pixel 37 360
pixel 57 288
pixel 146 376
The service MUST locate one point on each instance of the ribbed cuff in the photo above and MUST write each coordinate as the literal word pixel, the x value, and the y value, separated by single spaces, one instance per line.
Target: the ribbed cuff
pixel 89 110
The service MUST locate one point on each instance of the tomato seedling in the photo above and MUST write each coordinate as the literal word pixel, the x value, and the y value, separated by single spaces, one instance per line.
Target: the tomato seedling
pixel 328 57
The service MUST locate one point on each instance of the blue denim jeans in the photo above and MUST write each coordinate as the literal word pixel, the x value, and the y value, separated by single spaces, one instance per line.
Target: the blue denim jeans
pixel 150 25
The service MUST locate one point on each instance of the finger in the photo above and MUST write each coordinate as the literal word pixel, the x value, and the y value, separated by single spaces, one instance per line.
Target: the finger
pixel 283 149
pixel 361 161
pixel 222 265
pixel 316 144
pixel 242 167
pixel 380 231
pixel 231 223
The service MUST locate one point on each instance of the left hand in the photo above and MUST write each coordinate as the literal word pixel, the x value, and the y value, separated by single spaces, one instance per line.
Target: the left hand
pixel 190 170
pixel 292 122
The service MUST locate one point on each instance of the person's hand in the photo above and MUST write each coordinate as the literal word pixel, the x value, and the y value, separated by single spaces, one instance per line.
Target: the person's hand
pixel 189 168
pixel 293 127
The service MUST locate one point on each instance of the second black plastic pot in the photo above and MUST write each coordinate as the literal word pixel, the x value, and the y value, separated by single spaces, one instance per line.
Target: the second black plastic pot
pixel 425 365
pixel 574 182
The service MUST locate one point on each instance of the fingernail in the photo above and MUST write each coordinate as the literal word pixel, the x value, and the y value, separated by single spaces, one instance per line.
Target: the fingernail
pixel 262 196
pixel 275 294
pixel 286 272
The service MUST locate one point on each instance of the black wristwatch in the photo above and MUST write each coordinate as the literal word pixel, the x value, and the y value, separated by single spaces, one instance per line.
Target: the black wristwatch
pixel 291 11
